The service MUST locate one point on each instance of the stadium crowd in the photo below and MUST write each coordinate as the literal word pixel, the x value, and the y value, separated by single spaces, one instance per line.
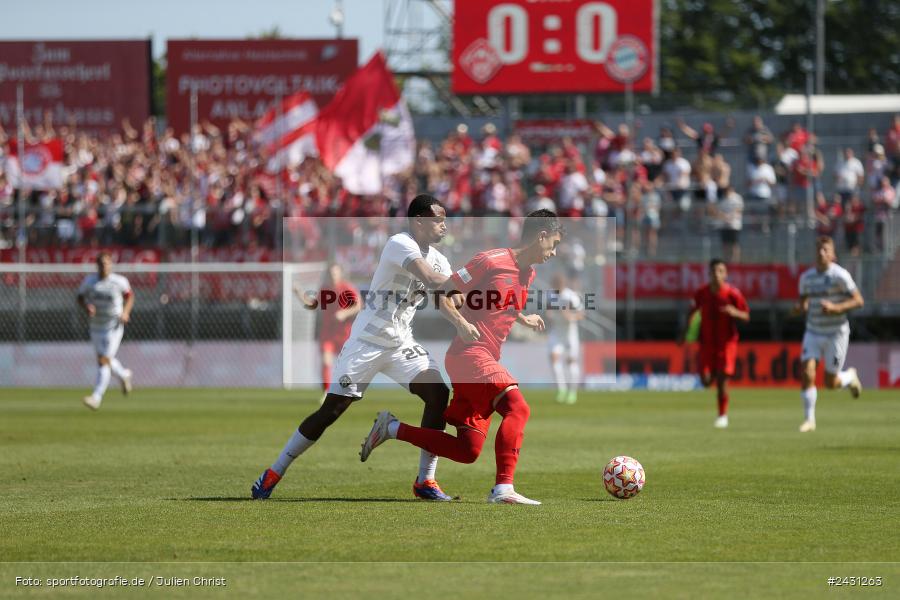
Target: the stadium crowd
pixel 134 188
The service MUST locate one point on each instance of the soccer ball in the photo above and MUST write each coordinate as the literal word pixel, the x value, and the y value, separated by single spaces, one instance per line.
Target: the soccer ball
pixel 623 477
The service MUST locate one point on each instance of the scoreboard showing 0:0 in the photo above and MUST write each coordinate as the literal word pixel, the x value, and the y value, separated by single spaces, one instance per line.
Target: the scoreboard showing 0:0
pixel 546 46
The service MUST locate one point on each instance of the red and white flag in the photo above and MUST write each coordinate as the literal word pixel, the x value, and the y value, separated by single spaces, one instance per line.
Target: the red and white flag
pixel 288 134
pixel 41 168
pixel 366 131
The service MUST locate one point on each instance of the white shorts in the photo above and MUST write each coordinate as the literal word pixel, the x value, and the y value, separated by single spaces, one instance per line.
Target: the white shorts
pixel 106 341
pixel 359 362
pixel 831 349
pixel 567 345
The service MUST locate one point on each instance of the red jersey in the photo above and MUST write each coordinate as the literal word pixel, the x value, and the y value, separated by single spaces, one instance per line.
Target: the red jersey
pixel 496 292
pixel 332 329
pixel 717 328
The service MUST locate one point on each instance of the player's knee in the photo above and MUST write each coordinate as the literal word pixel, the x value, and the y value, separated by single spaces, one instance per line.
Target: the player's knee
pixel 513 404
pixel 103 361
pixel 470 448
pixel 334 407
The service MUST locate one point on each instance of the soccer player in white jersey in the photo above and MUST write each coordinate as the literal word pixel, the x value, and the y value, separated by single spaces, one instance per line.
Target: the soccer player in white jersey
pixel 563 340
pixel 827 293
pixel 381 341
pixel 107 299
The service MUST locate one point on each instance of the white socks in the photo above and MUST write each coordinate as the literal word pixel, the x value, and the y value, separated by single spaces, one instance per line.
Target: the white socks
pixel 559 373
pixel 297 445
pixel 427 466
pixel 102 382
pixel 809 402
pixel 574 375
pixel 844 378
pixel 117 369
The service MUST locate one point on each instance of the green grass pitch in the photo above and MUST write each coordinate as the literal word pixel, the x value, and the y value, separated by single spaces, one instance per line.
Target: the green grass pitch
pixel 157 484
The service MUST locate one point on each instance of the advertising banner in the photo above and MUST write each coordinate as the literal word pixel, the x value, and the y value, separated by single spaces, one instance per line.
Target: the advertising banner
pixel 92 84
pixel 244 78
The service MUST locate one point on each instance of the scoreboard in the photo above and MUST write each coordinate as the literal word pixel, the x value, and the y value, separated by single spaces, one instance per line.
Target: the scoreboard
pixel 553 46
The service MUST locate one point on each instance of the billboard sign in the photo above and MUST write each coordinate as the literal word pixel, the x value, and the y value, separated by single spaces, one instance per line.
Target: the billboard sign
pixel 244 78
pixel 93 84
pixel 564 46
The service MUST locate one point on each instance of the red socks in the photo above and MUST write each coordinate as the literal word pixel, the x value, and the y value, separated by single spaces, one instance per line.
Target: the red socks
pixel 467 444
pixel 326 377
pixel 464 448
pixel 515 411
pixel 723 402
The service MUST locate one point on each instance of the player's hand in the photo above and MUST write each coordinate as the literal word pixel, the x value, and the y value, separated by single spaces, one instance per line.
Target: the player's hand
pixel 533 321
pixel 307 298
pixel 91 310
pixel 730 310
pixel 468 332
pixel 798 309
pixel 830 308
pixel 125 318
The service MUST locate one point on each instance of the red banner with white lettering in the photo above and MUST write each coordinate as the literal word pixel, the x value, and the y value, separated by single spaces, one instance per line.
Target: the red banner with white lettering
pixel 681 280
pixel 578 46
pixel 758 364
pixel 91 83
pixel 243 78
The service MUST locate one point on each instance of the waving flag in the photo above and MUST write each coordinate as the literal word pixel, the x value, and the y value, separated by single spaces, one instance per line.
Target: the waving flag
pixel 366 133
pixel 41 167
pixel 288 134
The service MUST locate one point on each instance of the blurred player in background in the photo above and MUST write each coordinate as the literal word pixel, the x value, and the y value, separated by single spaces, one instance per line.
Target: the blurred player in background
pixel 720 306
pixel 481 385
pixel 107 299
pixel 827 293
pixel 339 303
pixel 381 341
pixel 563 340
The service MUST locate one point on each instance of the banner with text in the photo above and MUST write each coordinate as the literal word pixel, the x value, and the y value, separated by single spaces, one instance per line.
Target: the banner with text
pixel 243 78
pixel 89 83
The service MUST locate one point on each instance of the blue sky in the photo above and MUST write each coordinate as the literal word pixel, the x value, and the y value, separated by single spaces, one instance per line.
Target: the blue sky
pixel 163 19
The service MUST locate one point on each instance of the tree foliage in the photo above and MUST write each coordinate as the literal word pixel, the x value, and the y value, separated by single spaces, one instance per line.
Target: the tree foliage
pixel 750 52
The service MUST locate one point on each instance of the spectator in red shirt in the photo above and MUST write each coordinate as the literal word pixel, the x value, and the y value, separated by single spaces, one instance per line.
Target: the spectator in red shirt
pixel 854 224
pixel 827 214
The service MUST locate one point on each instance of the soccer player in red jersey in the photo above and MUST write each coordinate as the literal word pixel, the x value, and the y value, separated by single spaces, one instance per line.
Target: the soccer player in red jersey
pixel 339 303
pixel 483 301
pixel 721 305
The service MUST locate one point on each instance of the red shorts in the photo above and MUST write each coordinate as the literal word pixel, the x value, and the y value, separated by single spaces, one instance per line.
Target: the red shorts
pixel 718 359
pixel 472 404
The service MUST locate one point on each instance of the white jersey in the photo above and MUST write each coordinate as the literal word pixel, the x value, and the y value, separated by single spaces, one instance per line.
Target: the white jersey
pixel 833 284
pixel 567 301
pixel 108 297
pixel 394 294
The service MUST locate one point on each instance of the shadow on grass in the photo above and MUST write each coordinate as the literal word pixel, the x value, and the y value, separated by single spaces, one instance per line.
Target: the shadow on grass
pixel 246 499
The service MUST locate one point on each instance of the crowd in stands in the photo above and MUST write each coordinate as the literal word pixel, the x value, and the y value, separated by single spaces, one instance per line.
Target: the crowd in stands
pixel 134 188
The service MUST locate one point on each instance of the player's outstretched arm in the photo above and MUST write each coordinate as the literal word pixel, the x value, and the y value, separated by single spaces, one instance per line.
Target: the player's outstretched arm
pixel 126 310
pixel 531 321
pixel 801 307
pixel 87 308
pixel 449 302
pixel 427 275
pixel 836 308
pixel 736 313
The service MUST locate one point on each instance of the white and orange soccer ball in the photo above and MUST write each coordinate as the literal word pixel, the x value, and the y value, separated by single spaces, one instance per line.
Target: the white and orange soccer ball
pixel 623 477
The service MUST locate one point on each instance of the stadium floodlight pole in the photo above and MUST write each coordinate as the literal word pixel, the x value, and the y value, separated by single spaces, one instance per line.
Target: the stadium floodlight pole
pixel 22 235
pixel 195 237
pixel 820 47
pixel 337 18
